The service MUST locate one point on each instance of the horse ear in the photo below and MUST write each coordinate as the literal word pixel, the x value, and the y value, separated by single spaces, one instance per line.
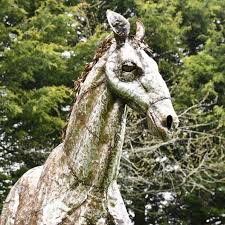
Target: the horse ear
pixel 119 25
pixel 140 30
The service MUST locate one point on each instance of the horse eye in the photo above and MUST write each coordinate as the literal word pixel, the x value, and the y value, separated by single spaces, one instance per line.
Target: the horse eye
pixel 128 67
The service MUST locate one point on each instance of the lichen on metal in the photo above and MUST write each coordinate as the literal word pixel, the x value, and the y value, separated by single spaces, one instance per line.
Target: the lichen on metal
pixel 77 184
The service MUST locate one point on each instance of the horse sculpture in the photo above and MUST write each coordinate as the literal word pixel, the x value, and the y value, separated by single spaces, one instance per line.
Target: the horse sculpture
pixel 77 184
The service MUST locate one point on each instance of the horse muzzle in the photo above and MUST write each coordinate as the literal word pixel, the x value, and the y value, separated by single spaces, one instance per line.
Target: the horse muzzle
pixel 162 120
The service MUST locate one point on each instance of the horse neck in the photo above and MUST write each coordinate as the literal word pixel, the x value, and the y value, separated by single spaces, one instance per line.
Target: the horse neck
pixel 95 132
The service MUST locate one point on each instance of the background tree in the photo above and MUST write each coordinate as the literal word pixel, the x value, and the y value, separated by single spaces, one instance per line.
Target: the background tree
pixel 44 46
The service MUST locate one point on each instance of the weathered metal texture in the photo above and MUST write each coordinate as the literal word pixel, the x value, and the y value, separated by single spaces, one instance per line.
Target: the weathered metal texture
pixel 77 184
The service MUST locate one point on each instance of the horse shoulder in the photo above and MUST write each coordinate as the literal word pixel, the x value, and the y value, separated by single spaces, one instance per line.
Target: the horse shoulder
pixel 20 198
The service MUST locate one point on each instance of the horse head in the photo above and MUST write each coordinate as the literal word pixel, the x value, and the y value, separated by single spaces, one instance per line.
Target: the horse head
pixel 133 76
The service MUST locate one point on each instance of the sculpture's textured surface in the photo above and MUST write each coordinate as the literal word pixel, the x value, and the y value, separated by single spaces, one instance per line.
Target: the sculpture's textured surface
pixel 77 184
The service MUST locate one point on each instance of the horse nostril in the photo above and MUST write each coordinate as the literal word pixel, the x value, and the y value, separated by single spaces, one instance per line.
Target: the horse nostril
pixel 169 122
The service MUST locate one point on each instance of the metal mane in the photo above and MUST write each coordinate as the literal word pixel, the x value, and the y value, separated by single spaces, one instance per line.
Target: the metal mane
pixel 105 45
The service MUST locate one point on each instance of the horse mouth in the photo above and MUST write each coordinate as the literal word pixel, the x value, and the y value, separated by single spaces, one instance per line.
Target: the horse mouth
pixel 156 127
